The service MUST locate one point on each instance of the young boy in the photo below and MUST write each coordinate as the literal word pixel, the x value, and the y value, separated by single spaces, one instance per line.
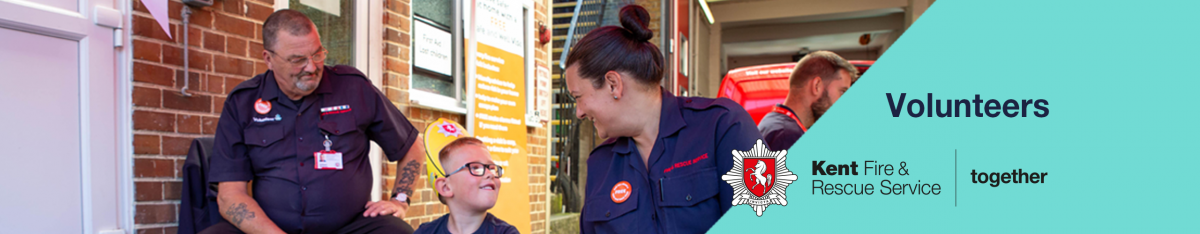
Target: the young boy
pixel 469 189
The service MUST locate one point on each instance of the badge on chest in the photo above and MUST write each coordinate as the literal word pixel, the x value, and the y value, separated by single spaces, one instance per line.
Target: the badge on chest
pixel 327 159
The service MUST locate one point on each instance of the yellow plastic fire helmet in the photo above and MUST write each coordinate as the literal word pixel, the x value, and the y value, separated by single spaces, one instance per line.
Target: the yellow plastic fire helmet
pixel 437 136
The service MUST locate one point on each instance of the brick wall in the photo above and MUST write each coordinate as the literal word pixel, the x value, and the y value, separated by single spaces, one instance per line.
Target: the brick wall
pixel 225 49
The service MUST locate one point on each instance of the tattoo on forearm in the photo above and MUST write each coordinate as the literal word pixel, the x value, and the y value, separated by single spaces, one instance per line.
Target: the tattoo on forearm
pixel 405 178
pixel 237 213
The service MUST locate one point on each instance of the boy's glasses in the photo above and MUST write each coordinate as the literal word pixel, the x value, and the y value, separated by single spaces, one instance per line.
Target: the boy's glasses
pixel 478 169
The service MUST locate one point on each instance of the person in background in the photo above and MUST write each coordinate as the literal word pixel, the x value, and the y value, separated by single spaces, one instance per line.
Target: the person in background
pixel 819 79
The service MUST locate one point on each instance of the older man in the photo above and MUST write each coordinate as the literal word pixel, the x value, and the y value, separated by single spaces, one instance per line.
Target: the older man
pixel 301 131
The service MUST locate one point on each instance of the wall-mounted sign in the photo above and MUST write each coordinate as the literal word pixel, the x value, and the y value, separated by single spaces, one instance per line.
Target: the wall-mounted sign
pixel 432 48
pixel 498 102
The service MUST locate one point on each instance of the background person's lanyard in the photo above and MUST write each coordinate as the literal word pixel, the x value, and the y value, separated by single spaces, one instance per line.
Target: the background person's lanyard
pixel 789 114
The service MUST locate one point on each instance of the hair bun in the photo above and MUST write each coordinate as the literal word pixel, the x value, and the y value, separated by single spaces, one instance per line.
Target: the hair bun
pixel 636 20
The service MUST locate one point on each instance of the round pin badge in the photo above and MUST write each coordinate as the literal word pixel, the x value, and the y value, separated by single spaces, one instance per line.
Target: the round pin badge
pixel 621 192
pixel 262 107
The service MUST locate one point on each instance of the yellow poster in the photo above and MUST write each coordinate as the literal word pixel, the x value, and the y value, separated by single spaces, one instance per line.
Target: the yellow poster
pixel 498 103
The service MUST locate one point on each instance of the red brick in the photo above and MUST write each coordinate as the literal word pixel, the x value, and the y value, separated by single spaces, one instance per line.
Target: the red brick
pixel 146 50
pixel 173 230
pixel 225 65
pixel 148 191
pixel 155 213
pixel 208 125
pixel 214 84
pixel 256 50
pixel 199 60
pixel 235 26
pixel 149 167
pixel 174 10
pixel 147 97
pixel 179 166
pixel 268 2
pixel 145 72
pixel 193 80
pixel 172 190
pixel 153 121
pixel 391 35
pixel 172 55
pixel 137 6
pixel 218 104
pixel 235 46
pixel 234 7
pixel 245 67
pixel 197 102
pixel 404 26
pixel 148 27
pixel 232 82
pixel 187 124
pixel 403 53
pixel 260 68
pixel 404 38
pixel 202 17
pixel 145 144
pixel 396 66
pixel 175 145
pixel 259 12
pixel 214 41
pixel 195 37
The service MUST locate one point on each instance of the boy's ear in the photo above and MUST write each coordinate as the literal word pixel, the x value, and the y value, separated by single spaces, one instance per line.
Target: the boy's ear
pixel 443 187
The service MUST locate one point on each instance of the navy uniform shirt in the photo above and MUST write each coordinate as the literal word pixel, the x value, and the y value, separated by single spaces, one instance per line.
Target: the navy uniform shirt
pixel 490 225
pixel 780 131
pixel 275 149
pixel 682 191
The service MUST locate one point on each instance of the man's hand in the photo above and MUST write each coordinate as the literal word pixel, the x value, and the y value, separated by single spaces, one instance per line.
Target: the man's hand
pixel 392 207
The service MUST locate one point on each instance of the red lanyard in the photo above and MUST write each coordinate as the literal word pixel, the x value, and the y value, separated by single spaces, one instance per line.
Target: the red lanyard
pixel 789 114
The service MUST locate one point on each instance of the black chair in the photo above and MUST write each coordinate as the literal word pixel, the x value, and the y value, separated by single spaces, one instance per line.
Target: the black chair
pixel 198 209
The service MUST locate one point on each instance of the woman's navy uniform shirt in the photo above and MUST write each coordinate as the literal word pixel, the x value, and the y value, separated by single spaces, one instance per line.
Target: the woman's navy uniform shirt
pixel 682 191
pixel 275 149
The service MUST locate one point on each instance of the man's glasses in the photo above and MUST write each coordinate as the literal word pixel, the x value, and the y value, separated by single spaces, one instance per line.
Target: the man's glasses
pixel 319 56
pixel 478 169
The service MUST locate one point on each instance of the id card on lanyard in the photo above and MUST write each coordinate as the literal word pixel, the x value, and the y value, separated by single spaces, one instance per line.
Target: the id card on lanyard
pixel 327 159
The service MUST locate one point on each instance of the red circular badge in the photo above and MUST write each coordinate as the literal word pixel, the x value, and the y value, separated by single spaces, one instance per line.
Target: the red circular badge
pixel 262 107
pixel 621 192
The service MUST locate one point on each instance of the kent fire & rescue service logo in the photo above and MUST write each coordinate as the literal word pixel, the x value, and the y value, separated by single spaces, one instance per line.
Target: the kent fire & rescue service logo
pixel 759 177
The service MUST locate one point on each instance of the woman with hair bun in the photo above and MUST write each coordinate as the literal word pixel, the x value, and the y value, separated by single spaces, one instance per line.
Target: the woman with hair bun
pixel 659 171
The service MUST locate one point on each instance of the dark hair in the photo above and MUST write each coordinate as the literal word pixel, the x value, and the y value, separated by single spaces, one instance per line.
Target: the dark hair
pixel 444 155
pixel 290 21
pixel 623 49
pixel 822 64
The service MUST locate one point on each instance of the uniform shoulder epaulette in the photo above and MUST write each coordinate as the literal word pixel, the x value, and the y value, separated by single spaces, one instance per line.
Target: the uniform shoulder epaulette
pixel 698 103
pixel 347 70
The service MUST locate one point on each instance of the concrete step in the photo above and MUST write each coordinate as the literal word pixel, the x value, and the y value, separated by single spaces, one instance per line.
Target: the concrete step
pixel 564 223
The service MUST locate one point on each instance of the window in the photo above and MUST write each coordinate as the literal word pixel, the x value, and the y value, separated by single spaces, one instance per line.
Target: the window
pixel 335 23
pixel 437 73
pixel 439 35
